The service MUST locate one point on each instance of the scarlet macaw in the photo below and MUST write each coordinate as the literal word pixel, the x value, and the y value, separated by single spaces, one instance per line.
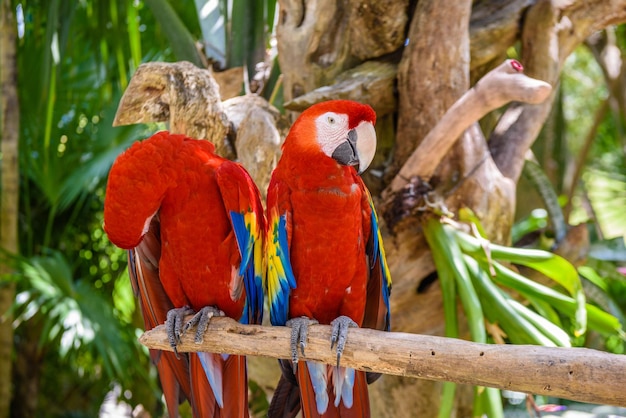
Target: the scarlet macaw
pixel 326 261
pixel 193 224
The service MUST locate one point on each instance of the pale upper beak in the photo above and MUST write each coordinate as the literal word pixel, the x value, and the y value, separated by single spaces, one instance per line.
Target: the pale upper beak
pixel 359 148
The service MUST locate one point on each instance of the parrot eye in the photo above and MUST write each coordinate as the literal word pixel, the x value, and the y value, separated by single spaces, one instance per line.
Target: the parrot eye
pixel 331 120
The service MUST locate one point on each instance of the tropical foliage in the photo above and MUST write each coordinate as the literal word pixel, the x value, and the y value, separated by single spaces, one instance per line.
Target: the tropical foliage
pixel 74 308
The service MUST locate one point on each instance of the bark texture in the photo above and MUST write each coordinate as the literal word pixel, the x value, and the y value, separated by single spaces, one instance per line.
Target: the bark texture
pixel 9 120
pixel 179 93
pixel 320 39
pixel 434 69
pixel 571 373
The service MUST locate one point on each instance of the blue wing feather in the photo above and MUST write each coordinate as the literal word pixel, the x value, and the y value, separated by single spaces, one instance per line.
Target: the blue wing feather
pixel 242 234
pixel 250 269
pixel 280 277
pixel 377 257
pixel 243 205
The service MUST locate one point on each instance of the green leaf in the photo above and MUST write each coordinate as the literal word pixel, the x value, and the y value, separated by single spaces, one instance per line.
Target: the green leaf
pixel 597 319
pixel 547 328
pixel 547 311
pixel 536 176
pixel 446 406
pixel 591 275
pixel 551 265
pixel 487 402
pixel 212 16
pixel 249 33
pixel 134 35
pixel 499 310
pixel 446 277
pixel 182 43
pixel 535 221
pixel 449 258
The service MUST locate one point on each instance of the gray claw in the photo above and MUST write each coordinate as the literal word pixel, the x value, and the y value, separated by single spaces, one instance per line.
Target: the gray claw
pixel 299 331
pixel 202 319
pixel 339 333
pixel 174 325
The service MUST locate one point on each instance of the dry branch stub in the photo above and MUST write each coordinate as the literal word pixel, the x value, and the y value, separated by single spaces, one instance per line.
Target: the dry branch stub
pixel 180 93
pixel 579 374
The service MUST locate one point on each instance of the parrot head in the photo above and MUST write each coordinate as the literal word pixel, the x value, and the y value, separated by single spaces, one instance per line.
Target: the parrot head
pixel 343 130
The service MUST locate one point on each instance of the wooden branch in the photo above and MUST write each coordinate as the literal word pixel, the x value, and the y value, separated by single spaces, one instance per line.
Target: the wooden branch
pixel 319 39
pixel 572 373
pixel 502 85
pixel 258 129
pixel 552 29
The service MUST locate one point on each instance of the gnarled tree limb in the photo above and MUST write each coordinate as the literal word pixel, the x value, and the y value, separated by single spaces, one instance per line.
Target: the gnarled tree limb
pixel 433 72
pixel 500 86
pixel 372 82
pixel 552 30
pixel 572 373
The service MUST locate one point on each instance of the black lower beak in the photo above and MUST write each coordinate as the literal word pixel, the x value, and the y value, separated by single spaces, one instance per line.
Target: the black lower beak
pixel 345 153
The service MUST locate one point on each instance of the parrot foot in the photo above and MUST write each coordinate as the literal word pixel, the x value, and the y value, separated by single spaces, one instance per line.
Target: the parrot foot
pixel 299 331
pixel 174 325
pixel 339 333
pixel 202 319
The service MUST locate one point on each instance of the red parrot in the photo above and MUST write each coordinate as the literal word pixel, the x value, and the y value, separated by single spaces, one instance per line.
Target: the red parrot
pixel 194 226
pixel 325 258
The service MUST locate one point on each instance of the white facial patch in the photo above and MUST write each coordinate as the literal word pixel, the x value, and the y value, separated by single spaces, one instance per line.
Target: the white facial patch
pixel 332 130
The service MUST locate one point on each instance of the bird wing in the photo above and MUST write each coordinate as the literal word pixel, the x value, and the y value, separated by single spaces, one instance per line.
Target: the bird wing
pixel 280 278
pixel 243 204
pixel 143 269
pixel 377 312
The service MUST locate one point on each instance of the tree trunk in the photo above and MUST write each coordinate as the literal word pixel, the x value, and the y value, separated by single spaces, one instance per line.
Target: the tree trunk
pixel 432 75
pixel 9 201
pixel 10 187
pixel 320 39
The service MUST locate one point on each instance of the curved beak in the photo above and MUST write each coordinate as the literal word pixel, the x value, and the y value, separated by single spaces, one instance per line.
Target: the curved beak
pixel 359 148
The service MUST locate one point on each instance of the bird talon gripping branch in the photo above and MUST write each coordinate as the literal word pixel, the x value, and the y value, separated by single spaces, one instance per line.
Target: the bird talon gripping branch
pixel 202 319
pixel 299 332
pixel 174 324
pixel 339 333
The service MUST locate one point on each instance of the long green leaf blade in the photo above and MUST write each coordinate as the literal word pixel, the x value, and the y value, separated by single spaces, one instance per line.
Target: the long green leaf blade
pixel 450 257
pixel 213 15
pixel 499 310
pixel 549 264
pixel 597 319
pixel 183 44
pixel 446 281
pixel 547 328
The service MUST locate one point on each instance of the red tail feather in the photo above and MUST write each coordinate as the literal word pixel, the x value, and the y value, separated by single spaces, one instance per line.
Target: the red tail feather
pixel 235 388
pixel 360 405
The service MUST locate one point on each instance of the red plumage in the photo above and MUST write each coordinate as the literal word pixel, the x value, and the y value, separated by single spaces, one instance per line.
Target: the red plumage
pixel 170 201
pixel 328 220
pixel 329 224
